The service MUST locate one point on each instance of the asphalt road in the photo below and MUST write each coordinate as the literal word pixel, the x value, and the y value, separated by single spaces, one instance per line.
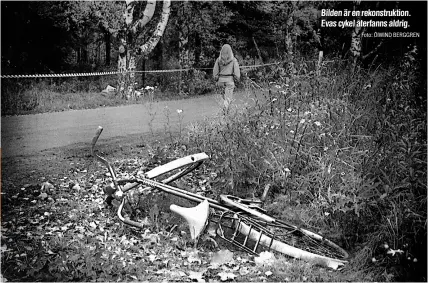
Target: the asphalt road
pixel 32 134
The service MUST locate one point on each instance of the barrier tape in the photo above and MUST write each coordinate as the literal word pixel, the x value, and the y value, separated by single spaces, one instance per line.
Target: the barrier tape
pixel 116 72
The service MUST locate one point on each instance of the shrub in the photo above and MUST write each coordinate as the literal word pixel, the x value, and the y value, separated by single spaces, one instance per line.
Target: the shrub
pixel 344 154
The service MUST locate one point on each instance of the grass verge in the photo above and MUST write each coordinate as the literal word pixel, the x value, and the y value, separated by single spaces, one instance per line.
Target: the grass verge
pixel 20 99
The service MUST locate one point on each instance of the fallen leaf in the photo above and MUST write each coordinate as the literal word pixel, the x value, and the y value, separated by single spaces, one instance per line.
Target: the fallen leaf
pixel 221 257
pixel 43 196
pixel 244 270
pixel 393 252
pixel 196 276
pixel 194 257
pixel 93 225
pixel 265 258
pixel 152 258
pixel 182 273
pixel 47 186
pixel 160 271
pixel 243 260
pixel 3 248
pixel 225 276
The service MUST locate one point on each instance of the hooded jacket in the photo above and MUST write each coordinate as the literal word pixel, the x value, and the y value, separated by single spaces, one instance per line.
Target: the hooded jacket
pixel 226 66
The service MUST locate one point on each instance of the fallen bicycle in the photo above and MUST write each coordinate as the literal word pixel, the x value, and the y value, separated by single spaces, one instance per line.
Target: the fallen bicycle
pixel 240 222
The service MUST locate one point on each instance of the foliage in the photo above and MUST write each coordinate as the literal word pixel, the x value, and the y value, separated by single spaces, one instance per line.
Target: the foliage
pixel 61 94
pixel 343 153
pixel 84 36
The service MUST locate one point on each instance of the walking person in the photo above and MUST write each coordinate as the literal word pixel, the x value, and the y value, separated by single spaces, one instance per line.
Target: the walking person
pixel 226 69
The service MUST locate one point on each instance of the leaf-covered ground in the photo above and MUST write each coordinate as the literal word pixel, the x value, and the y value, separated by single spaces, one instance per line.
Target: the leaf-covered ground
pixel 56 226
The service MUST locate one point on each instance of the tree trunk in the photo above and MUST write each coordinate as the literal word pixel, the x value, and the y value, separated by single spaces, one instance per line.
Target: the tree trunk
pixel 289 38
pixel 258 50
pixel 320 45
pixel 107 41
pixel 147 47
pixel 356 45
pixel 143 75
pixel 183 46
pixel 356 38
pixel 78 56
pixel 128 50
pixel 85 54
pixel 183 59
pixel 198 50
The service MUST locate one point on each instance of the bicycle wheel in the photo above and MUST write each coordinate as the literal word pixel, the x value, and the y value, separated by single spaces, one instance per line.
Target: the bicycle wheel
pixel 280 236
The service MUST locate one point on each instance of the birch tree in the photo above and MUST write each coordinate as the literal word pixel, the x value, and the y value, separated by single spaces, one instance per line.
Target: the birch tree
pixel 131 47
pixel 184 29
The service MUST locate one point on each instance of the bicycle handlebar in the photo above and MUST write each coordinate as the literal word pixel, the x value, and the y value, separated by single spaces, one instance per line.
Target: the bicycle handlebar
pixel 102 160
pixel 95 139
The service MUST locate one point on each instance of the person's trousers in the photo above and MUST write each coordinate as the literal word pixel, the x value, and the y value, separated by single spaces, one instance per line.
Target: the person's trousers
pixel 227 96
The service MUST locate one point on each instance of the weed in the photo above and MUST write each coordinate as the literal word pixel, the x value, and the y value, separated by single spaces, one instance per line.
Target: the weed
pixel 150 108
pixel 344 154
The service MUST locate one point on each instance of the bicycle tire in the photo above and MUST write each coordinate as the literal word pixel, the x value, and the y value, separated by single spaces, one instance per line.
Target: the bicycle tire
pixel 286 238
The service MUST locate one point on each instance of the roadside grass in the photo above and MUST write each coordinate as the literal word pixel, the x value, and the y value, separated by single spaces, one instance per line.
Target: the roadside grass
pixel 344 155
pixel 25 98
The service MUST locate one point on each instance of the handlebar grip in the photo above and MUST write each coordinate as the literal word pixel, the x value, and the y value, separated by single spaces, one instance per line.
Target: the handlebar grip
pixel 97 135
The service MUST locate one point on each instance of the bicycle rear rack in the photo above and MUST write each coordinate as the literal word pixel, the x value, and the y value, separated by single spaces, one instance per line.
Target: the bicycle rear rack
pixel 230 225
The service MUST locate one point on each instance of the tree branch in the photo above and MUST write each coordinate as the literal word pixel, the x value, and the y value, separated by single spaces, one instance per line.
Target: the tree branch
pixel 129 12
pixel 258 50
pixel 373 51
pixel 154 39
pixel 147 15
